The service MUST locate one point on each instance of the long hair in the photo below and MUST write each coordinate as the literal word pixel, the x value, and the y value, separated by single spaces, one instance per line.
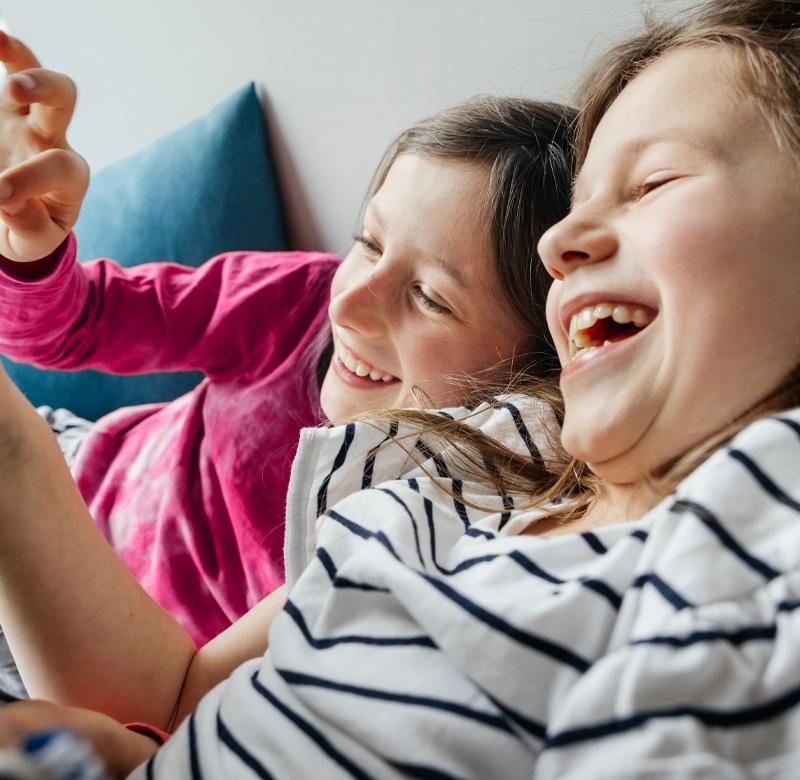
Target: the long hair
pixel 527 148
pixel 764 36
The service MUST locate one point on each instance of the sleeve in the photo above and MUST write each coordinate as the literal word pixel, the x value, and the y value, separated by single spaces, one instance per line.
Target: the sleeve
pixel 229 316
pixel 714 694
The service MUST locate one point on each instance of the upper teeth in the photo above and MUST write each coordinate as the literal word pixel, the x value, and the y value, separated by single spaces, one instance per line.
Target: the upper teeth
pixel 360 368
pixel 619 312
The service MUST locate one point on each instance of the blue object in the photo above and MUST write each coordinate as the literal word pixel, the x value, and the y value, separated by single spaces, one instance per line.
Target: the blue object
pixel 207 188
pixel 60 754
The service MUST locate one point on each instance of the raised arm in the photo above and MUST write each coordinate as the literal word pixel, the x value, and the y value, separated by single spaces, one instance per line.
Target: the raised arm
pixel 42 180
pixel 155 317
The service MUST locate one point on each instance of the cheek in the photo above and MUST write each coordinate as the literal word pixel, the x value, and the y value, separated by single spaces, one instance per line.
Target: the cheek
pixel 553 324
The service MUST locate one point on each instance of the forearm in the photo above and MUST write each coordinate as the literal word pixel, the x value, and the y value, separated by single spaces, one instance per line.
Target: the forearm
pixel 81 629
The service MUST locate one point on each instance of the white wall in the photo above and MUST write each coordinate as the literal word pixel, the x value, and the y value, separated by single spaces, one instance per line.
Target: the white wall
pixel 342 78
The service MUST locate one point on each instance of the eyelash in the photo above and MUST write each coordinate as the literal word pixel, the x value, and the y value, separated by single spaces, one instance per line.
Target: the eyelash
pixel 429 303
pixel 647 187
pixel 369 245
pixel 372 248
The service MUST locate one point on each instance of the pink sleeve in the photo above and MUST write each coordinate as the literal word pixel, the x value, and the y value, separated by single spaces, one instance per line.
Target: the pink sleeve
pixel 218 318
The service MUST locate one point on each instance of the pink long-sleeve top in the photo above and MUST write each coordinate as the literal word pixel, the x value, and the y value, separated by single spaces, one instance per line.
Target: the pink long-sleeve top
pixel 190 494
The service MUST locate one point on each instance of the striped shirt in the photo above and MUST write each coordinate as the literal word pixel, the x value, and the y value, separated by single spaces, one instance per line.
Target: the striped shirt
pixel 424 638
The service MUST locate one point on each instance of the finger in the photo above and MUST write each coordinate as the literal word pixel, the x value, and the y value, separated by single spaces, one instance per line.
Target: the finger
pixel 60 175
pixel 15 55
pixel 49 96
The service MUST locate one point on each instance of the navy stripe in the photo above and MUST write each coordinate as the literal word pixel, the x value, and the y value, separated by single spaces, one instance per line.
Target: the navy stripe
pixel 608 593
pixel 545 646
pixel 322 494
pixel 480 533
pixel 787 606
pixel 423 772
pixel 534 727
pixel 464 565
pixel 343 582
pixel 671 595
pixel 721 719
pixel 369 463
pixel 790 423
pixel 640 535
pixel 350 525
pixel 312 733
pixel 194 759
pixel 352 639
pixel 763 480
pixel 534 568
pixel 461 509
pixel 362 532
pixel 736 638
pixel 444 473
pixel 604 590
pixel 594 542
pixel 713 525
pixel 486 718
pixel 234 746
pixel 369 467
pixel 523 432
pixel 149 769
pixel 411 518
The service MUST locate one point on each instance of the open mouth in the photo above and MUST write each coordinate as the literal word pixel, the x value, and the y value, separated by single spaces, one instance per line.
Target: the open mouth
pixel 601 324
pixel 359 368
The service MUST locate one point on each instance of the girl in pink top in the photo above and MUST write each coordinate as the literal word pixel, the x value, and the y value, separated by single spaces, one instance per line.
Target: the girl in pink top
pixel 442 281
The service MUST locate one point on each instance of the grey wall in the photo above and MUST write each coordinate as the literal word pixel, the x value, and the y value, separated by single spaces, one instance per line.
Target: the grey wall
pixel 341 78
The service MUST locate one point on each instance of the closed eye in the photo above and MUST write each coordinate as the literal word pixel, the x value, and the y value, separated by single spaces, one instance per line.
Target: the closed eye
pixel 370 247
pixel 648 186
pixel 428 302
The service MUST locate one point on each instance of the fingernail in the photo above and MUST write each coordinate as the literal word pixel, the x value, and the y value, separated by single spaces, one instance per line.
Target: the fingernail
pixel 6 190
pixel 26 81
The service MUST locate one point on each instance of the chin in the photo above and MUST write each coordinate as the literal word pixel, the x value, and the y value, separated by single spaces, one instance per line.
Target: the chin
pixel 615 458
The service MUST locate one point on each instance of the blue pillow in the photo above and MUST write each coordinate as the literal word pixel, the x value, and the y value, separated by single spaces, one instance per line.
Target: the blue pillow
pixel 207 188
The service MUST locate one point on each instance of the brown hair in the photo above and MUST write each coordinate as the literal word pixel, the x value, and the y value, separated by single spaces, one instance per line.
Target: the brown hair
pixel 766 35
pixel 765 32
pixel 527 147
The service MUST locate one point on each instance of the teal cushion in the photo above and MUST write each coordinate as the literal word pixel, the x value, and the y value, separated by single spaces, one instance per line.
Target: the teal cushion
pixel 207 188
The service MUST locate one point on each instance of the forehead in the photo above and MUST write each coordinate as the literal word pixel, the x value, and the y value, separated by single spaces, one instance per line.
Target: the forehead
pixel 693 96
pixel 437 209
pixel 419 181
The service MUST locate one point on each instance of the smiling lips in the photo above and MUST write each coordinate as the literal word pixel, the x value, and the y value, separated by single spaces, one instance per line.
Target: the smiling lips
pixel 601 324
pixel 361 369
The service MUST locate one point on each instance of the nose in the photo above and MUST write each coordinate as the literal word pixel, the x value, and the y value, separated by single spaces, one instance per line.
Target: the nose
pixel 580 238
pixel 362 303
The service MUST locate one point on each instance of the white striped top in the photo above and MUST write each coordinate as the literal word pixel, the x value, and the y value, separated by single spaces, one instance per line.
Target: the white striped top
pixel 426 639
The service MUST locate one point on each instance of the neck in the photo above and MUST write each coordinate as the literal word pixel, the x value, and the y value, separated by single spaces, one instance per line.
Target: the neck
pixel 614 504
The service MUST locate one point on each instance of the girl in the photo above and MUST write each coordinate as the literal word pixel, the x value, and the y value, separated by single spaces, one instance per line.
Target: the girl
pixel 441 282
pixel 639 616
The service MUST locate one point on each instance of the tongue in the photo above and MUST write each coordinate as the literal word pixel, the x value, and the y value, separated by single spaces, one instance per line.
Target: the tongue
pixel 608 330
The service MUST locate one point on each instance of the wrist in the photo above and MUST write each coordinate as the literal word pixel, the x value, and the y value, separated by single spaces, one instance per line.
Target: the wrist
pixel 33 269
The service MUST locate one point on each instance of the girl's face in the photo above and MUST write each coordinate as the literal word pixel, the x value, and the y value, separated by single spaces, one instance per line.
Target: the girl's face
pixel 686 220
pixel 417 298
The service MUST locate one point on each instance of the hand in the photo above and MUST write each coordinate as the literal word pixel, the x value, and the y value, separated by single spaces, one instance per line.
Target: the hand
pixel 120 750
pixel 42 180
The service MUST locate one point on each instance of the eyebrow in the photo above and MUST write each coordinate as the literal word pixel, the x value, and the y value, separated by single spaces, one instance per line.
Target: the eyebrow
pixel 634 147
pixel 445 266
